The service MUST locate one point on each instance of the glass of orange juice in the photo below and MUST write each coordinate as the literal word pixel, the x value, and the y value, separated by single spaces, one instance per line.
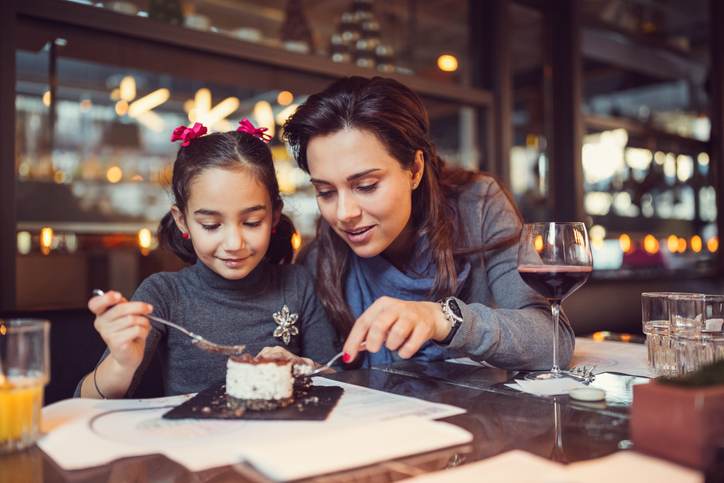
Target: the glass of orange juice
pixel 24 371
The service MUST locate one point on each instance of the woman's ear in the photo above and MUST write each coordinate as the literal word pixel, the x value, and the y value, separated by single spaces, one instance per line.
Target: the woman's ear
pixel 179 218
pixel 418 169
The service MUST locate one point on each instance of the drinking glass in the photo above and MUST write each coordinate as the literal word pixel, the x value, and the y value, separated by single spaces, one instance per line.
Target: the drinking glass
pixel 697 327
pixel 24 371
pixel 655 324
pixel 555 260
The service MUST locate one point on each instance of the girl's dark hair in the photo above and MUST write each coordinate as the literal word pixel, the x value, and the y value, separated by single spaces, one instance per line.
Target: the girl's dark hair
pixel 229 150
pixel 397 116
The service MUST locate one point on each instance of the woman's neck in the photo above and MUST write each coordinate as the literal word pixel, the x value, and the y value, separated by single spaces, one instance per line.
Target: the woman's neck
pixel 401 251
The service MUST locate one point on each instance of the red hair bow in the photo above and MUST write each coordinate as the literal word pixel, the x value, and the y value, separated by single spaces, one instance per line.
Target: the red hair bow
pixel 260 132
pixel 186 134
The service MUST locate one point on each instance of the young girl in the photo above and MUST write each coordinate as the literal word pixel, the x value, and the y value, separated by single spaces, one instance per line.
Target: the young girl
pixel 226 222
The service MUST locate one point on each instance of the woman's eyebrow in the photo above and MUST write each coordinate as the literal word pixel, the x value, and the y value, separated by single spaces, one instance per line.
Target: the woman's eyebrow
pixel 349 178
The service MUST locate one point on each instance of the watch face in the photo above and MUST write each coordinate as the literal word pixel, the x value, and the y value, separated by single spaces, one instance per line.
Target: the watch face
pixel 455 308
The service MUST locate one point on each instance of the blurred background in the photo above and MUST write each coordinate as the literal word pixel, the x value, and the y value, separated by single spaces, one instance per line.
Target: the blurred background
pixel 607 111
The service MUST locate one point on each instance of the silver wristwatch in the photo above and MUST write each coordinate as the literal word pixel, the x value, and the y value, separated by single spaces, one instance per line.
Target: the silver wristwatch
pixel 453 314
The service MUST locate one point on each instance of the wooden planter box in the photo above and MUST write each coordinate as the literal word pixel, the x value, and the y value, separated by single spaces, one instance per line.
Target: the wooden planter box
pixel 677 423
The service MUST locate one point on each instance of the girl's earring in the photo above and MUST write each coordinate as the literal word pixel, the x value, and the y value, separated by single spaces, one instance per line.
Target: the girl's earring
pixel 274 230
pixel 185 235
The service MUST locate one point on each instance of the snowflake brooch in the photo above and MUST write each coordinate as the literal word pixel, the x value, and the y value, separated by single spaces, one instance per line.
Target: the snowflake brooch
pixel 285 321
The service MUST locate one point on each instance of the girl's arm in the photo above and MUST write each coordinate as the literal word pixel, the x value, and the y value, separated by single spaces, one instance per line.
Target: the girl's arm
pixel 124 330
pixel 117 375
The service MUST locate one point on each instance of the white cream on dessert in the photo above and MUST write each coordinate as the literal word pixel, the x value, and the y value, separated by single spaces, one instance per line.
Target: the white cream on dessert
pixel 255 380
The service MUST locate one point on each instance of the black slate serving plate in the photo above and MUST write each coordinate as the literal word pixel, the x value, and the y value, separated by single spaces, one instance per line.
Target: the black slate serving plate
pixel 313 404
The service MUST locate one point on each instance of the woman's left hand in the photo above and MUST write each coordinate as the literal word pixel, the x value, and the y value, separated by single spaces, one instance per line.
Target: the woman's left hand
pixel 278 352
pixel 399 325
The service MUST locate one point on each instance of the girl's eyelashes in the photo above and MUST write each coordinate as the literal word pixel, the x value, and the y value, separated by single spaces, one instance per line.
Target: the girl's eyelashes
pixel 215 226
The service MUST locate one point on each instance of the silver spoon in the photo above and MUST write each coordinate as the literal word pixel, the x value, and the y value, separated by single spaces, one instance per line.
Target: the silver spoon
pixel 200 342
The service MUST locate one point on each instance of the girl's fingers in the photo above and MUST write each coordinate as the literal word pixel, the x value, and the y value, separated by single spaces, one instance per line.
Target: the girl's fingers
pixel 276 352
pixel 267 353
pixel 108 330
pixel 128 308
pixel 101 303
pixel 280 353
pixel 123 338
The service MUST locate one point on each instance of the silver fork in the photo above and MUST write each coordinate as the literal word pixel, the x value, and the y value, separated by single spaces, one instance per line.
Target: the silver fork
pixel 197 340
pixel 332 361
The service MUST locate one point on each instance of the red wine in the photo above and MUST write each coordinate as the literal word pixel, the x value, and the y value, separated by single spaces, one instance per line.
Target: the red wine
pixel 554 282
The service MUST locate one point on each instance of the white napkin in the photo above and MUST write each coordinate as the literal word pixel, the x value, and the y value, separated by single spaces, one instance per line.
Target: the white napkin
pixel 342 449
pixel 521 467
pixel 548 387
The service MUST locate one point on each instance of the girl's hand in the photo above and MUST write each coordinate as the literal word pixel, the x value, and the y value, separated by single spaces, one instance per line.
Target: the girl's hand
pixel 399 325
pixel 122 326
pixel 278 352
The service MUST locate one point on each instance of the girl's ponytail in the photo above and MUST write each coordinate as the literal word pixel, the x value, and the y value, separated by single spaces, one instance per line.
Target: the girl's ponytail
pixel 280 246
pixel 170 236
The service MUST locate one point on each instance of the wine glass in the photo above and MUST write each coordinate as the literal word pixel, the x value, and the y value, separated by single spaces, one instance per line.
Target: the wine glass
pixel 554 259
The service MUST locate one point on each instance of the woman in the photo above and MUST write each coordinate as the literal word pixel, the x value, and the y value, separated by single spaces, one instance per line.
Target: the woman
pixel 413 258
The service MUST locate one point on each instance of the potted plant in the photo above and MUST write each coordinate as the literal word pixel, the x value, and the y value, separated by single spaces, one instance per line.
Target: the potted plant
pixel 681 418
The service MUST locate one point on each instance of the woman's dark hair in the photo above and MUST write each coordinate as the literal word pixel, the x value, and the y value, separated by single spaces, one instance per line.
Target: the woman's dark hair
pixel 397 116
pixel 229 150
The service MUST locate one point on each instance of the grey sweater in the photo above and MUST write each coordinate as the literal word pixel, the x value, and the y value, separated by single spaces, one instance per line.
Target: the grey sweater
pixel 505 322
pixel 227 312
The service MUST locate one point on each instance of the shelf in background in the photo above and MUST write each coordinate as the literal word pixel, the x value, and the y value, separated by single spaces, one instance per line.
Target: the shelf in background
pixel 99 19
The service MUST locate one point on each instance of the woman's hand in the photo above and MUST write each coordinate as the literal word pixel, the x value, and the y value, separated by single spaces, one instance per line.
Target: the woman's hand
pixel 399 325
pixel 122 326
pixel 280 353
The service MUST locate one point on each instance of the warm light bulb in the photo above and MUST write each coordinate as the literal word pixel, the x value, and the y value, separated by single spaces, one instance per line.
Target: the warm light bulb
pixel 128 88
pixel 712 244
pixel 672 243
pixel 25 242
pixel 681 245
pixel 447 63
pixel 121 108
pixel 296 241
pixel 46 239
pixel 696 244
pixel 624 241
pixel 114 174
pixel 145 238
pixel 284 98
pixel 651 244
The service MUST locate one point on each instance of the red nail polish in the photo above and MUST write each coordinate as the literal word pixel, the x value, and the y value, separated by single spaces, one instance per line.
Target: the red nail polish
pixel 346 358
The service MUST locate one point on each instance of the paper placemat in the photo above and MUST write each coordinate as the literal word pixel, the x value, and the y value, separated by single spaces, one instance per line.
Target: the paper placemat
pixel 136 427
